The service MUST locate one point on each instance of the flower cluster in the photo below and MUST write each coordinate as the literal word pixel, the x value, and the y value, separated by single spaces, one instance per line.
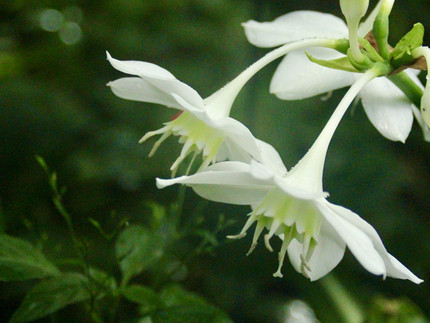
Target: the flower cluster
pixel 321 53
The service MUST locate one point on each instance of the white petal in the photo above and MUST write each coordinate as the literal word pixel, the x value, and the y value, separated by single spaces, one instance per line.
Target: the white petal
pixel 238 134
pixel 360 244
pixel 388 109
pixel 294 26
pixel 271 158
pixel 226 182
pixel 260 171
pixel 240 141
pixel 298 78
pixel 327 254
pixel 292 189
pixel 393 267
pixel 159 77
pixel 140 68
pixel 229 150
pixel 137 89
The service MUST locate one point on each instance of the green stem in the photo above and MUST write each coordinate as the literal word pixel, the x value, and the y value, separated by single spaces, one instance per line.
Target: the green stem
pixel 381 28
pixel 408 87
pixel 348 308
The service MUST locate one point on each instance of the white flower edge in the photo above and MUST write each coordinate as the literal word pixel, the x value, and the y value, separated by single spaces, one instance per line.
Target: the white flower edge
pixel 154 80
pixel 294 26
pixel 237 183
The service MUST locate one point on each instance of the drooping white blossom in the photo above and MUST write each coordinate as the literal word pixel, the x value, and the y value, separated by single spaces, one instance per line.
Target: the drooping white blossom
pixel 296 77
pixel 293 206
pixel 204 126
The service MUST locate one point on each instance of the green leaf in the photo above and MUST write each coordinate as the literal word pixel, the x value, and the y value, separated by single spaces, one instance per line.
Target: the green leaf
pixel 342 63
pixel 184 306
pixel 103 281
pixel 144 296
pixel 401 54
pixel 19 260
pixel 51 295
pixel 136 250
pixel 158 213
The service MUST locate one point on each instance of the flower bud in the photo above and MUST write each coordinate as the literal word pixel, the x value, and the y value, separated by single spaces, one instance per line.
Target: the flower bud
pixel 354 10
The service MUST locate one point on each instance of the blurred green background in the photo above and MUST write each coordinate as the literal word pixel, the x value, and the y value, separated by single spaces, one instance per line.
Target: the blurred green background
pixel 55 103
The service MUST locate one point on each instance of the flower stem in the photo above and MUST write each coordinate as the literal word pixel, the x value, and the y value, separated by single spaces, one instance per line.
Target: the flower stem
pixel 411 89
pixel 228 93
pixel 347 307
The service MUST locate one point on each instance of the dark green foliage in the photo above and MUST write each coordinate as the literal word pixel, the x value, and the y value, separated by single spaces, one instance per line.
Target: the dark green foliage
pixel 55 103
pixel 51 295
pixel 137 249
pixel 19 260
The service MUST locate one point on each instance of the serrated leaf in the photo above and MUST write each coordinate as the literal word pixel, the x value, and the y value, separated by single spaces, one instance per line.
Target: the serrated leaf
pixel 184 306
pixel 52 295
pixel 19 260
pixel 401 54
pixel 137 249
pixel 342 63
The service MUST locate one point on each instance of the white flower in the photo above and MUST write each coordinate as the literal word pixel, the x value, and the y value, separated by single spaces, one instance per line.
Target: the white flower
pixel 204 126
pixel 293 206
pixel 297 77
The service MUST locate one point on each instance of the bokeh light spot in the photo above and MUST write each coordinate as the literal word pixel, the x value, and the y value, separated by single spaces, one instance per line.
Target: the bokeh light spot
pixel 51 20
pixel 70 33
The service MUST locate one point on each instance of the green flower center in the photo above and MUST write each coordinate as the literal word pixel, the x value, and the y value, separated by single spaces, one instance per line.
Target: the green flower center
pixel 289 218
pixel 195 135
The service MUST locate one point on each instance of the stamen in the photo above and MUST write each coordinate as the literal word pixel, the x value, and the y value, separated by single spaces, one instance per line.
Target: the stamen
pixel 153 133
pixel 259 228
pixel 275 225
pixel 252 218
pixel 304 267
pixel 287 240
pixel 237 236
pixel 191 163
pixel 184 153
pixel 157 143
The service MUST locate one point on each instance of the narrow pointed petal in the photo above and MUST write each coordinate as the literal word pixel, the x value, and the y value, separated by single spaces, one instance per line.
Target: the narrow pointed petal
pixel 393 267
pixel 327 254
pixel 226 182
pixel 271 158
pixel 146 69
pixel 360 244
pixel 159 77
pixel 137 89
pixel 298 78
pixel 388 109
pixel 294 26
